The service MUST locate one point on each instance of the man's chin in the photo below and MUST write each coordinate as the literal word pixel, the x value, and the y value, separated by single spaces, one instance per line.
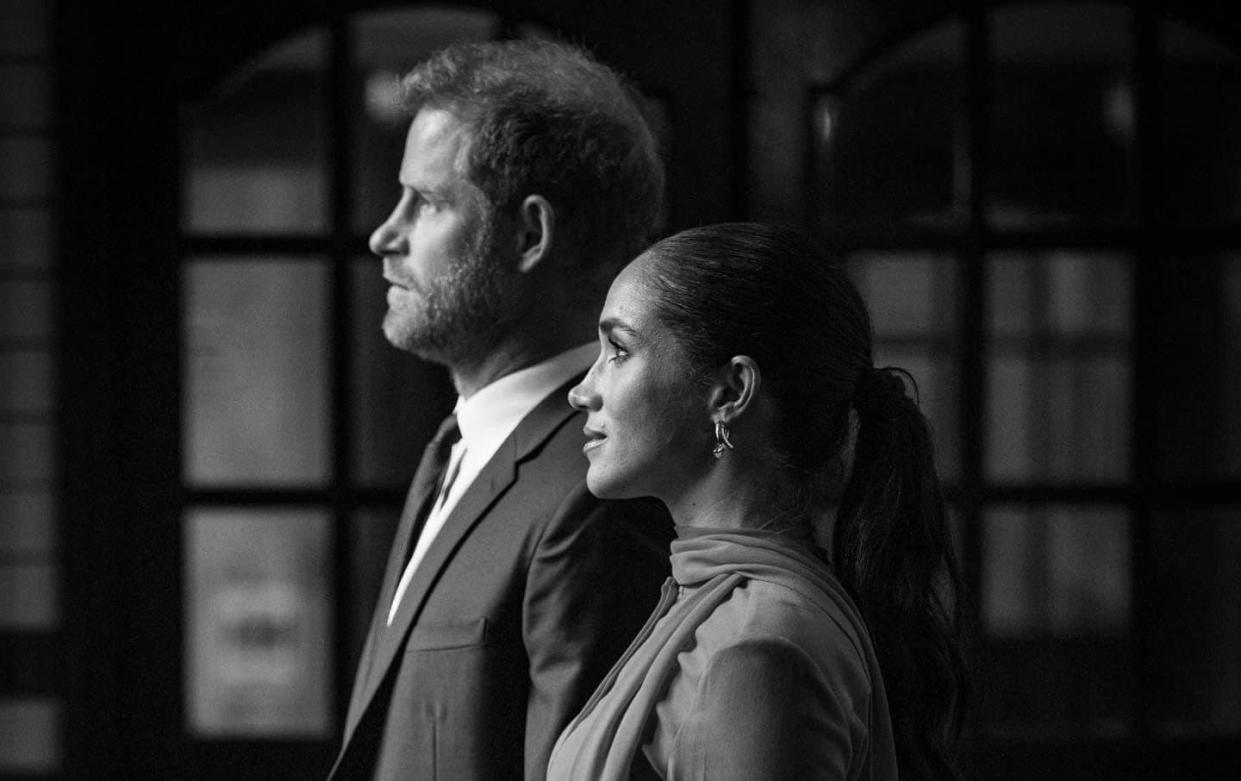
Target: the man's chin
pixel 415 343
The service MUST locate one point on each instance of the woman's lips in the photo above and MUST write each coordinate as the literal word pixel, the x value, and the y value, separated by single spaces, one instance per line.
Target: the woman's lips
pixel 593 439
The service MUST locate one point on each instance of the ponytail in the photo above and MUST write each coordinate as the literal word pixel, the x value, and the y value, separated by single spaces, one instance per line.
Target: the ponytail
pixel 771 293
pixel 892 552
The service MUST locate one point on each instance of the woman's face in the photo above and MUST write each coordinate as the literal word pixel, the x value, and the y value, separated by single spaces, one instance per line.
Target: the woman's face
pixel 648 427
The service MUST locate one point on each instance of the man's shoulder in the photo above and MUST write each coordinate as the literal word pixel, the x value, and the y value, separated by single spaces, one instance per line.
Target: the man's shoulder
pixel 561 449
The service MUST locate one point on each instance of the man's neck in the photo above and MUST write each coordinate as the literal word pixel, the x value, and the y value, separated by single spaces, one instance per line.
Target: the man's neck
pixel 503 361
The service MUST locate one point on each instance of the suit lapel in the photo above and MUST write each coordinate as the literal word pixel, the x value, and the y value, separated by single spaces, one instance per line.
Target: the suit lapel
pixel 384 643
pixel 419 494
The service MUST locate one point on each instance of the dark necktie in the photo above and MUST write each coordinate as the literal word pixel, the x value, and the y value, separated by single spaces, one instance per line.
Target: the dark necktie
pixel 422 495
pixel 431 473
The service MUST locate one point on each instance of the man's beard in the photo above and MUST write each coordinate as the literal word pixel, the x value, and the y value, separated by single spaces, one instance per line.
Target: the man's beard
pixel 462 315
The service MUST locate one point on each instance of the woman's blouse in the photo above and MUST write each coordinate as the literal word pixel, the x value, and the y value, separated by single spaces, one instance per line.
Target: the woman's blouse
pixel 754 665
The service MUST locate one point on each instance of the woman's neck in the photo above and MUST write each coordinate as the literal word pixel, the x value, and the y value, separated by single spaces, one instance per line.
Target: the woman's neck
pixel 737 493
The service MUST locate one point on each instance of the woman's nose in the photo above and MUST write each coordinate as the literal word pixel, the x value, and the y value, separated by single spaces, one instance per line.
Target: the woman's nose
pixel 582 396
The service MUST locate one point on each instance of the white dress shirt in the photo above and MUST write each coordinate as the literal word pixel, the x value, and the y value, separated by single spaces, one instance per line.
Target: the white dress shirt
pixel 486 419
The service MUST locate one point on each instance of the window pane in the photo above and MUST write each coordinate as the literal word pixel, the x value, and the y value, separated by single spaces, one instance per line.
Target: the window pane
pixel 25 96
pixel 1063 117
pixel 1201 124
pixel 25 168
pixel 1056 597
pixel 400 399
pixel 1058 361
pixel 25 314
pixel 25 381
pixel 27 523
pixel 25 238
pixel 370 534
pixel 1198 352
pixel 912 301
pixel 1196 599
pixel 26 453
pixel 29 735
pixel 29 597
pixel 387 45
pixel 255 150
pixel 257 622
pixel 25 28
pixel 1055 571
pixel 884 147
pixel 256 372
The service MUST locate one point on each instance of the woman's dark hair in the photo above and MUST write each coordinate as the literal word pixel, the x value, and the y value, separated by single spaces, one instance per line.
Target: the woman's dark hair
pixel 772 294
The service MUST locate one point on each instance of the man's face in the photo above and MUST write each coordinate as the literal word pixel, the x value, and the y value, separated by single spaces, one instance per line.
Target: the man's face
pixel 450 294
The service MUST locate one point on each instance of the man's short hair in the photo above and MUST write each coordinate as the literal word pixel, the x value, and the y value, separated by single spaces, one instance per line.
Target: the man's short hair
pixel 547 118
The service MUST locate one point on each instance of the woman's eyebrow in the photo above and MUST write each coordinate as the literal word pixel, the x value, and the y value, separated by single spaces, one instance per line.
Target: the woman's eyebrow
pixel 610 324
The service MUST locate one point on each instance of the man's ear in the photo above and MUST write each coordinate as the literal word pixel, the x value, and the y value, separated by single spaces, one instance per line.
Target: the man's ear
pixel 536 228
pixel 735 389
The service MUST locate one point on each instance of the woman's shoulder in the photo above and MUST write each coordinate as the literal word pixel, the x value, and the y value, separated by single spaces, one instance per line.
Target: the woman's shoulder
pixel 777 622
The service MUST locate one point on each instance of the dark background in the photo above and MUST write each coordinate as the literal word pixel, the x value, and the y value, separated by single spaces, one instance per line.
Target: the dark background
pixel 1058 195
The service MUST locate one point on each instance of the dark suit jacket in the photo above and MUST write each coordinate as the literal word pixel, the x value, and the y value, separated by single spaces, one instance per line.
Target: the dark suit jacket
pixel 527 595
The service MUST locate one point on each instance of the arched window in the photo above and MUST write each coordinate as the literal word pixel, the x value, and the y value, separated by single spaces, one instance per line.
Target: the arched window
pixel 1040 203
pixel 301 426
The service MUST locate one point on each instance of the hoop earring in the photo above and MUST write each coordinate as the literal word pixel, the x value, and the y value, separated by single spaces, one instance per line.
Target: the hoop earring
pixel 721 439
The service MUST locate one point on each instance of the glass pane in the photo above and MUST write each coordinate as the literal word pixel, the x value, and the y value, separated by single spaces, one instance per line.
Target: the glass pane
pixel 25 381
pixel 884 146
pixel 27 524
pixel 795 43
pixel 1201 124
pixel 1198 352
pixel 370 535
pixel 25 238
pixel 25 29
pixel 400 399
pixel 29 735
pixel 1063 115
pixel 25 95
pixel 1058 361
pixel 387 45
pixel 1056 595
pixel 255 150
pixel 25 314
pixel 913 303
pixel 25 168
pixel 29 597
pixel 1196 597
pixel 256 405
pixel 1055 571
pixel 26 453
pixel 257 622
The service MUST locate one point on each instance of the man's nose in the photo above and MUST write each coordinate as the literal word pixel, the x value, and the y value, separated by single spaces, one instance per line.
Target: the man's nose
pixel 389 237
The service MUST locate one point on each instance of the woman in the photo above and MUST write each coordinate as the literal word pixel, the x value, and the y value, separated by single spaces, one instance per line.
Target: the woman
pixel 732 356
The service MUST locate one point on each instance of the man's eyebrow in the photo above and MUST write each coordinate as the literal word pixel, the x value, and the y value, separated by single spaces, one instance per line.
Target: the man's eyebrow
pixel 610 324
pixel 422 189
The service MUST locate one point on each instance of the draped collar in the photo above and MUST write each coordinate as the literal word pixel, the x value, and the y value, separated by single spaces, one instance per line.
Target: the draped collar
pixel 604 738
pixel 699 554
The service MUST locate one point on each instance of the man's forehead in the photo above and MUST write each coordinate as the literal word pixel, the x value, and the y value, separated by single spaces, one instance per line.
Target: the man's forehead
pixel 436 148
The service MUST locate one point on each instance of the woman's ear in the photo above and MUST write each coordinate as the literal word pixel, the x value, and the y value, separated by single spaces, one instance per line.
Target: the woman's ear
pixel 536 226
pixel 735 389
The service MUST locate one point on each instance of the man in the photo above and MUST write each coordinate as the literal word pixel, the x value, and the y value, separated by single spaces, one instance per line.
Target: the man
pixel 529 178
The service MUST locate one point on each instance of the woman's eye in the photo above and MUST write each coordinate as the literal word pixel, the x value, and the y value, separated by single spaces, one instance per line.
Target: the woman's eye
pixel 618 353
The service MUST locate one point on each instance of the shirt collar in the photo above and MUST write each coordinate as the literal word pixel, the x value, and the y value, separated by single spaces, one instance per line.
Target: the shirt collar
pixel 493 412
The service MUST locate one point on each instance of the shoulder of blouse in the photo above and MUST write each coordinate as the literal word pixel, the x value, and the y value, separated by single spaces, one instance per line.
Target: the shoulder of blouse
pixel 765 708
